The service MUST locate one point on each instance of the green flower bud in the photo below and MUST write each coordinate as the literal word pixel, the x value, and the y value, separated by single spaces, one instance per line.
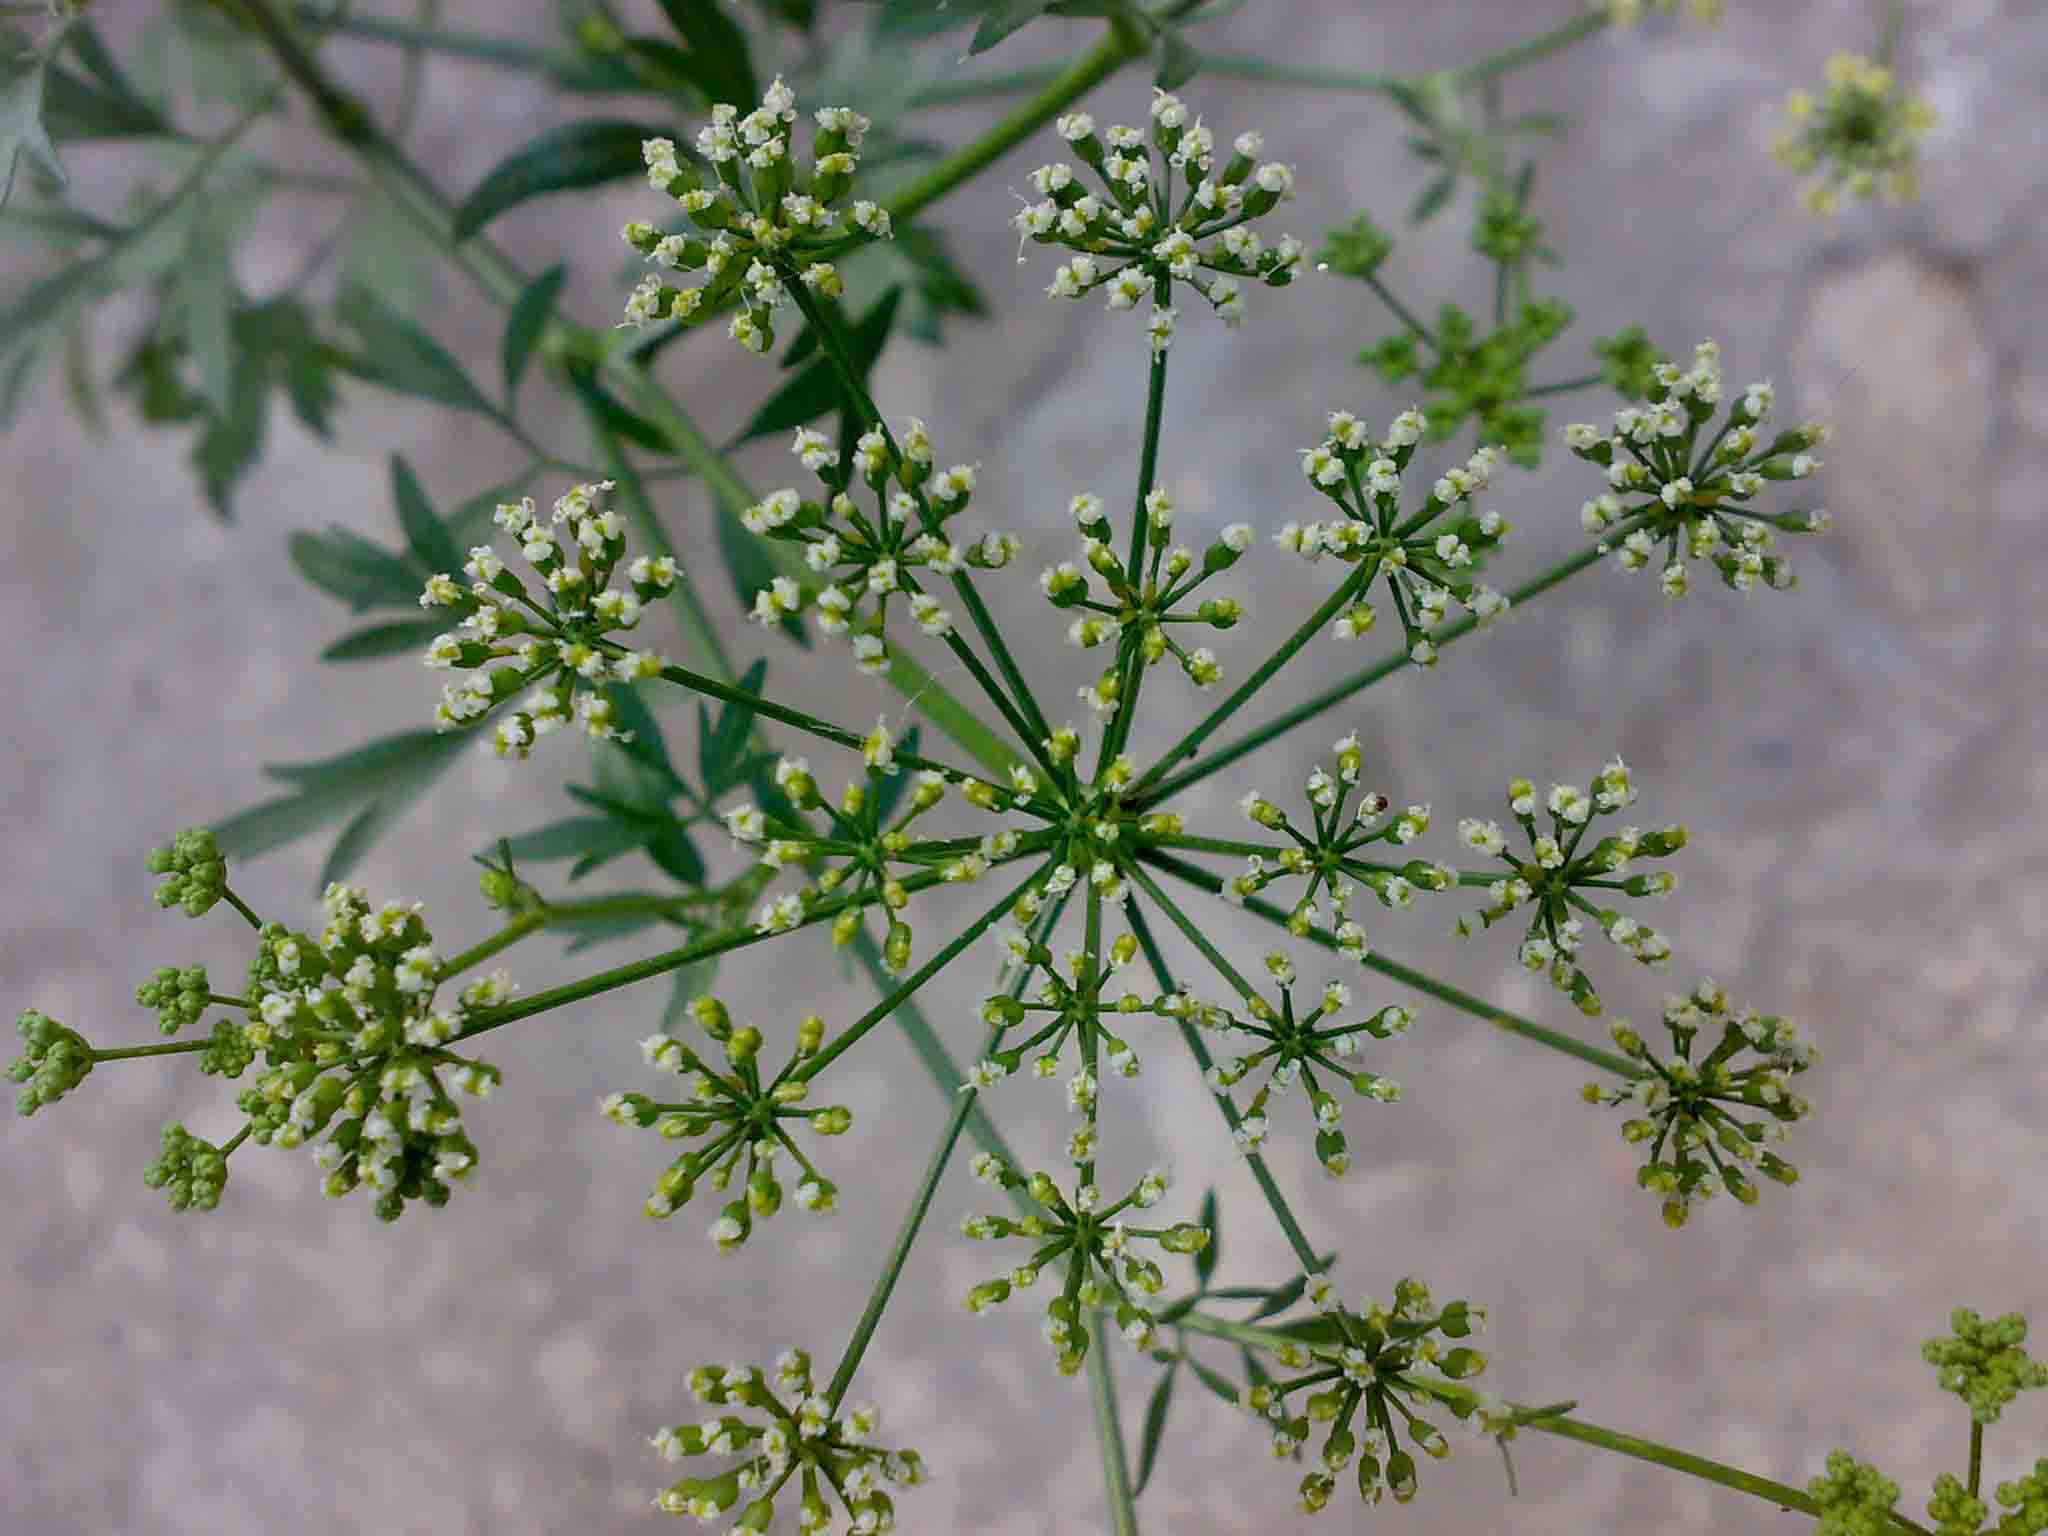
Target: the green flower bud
pixel 833 1120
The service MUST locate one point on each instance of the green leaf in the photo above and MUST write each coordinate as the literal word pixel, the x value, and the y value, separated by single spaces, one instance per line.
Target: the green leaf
pixel 22 134
pixel 380 640
pixel 1433 198
pixel 615 418
pixel 722 746
pixel 1215 1381
pixel 368 787
pixel 232 441
pixel 1155 1426
pixel 402 357
pixel 1205 1259
pixel 361 574
pixel 200 307
pixel 576 837
pixel 1001 19
pixel 528 319
pixel 1178 61
pixel 76 109
pixel 582 154
pixel 716 50
pixel 1281 1298
pixel 425 534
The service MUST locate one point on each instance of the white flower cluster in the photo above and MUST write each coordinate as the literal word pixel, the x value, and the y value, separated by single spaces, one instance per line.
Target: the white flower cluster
pixel 360 1048
pixel 1562 879
pixel 1430 558
pixel 1141 606
pixel 799 1436
pixel 557 641
pixel 1670 490
pixel 1138 237
pixel 759 224
pixel 863 559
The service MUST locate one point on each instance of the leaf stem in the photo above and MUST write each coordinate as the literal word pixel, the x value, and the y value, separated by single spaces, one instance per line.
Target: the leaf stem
pixel 242 907
pixel 1976 1456
pixel 167 1048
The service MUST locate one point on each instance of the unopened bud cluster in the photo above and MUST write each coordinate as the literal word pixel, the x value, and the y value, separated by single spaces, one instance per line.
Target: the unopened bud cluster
pixel 1140 235
pixel 740 1119
pixel 1358 1386
pixel 1984 1362
pixel 1099 1252
pixel 1567 873
pixel 1677 493
pixel 557 639
pixel 194 869
pixel 1707 1107
pixel 760 223
pixel 791 1442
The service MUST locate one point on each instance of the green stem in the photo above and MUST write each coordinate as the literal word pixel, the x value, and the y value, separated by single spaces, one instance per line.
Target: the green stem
pixel 566 68
pixel 1230 66
pixel 906 1238
pixel 1261 1174
pixel 1976 1456
pixel 168 1048
pixel 503 939
pixel 1116 1472
pixel 1888 44
pixel 1493 66
pixel 227 1002
pixel 1117 47
pixel 654 539
pixel 1563 386
pixel 1317 621
pixel 242 907
pixel 847 1038
pixel 1402 312
pixel 1443 992
pixel 1359 682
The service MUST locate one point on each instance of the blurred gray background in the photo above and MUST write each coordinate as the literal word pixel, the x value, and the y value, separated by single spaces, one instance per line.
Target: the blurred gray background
pixel 1861 764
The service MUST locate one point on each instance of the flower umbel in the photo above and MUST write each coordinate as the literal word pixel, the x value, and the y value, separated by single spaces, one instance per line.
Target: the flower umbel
pixel 1860 138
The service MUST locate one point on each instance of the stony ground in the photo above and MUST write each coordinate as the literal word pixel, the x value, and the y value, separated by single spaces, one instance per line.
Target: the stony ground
pixel 1861 765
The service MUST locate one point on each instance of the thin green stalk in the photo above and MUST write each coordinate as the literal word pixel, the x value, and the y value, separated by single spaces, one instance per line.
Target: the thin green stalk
pixel 1563 386
pixel 1230 66
pixel 1109 1433
pixel 1360 681
pixel 847 1038
pixel 1192 1037
pixel 1888 40
pixel 242 907
pixel 1976 1456
pixel 1494 65
pixel 1443 992
pixel 1401 311
pixel 520 926
pixel 1117 47
pixel 906 1239
pixel 169 1048
pixel 566 68
pixel 1346 590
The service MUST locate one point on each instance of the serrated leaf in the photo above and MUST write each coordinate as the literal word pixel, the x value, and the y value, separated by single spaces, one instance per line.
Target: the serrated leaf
pixel 1156 1409
pixel 400 356
pixel 425 535
pixel 716 49
pixel 362 574
pixel 383 776
pixel 1207 1255
pixel 581 154
pixel 379 640
pixel 529 318
pixel 23 74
